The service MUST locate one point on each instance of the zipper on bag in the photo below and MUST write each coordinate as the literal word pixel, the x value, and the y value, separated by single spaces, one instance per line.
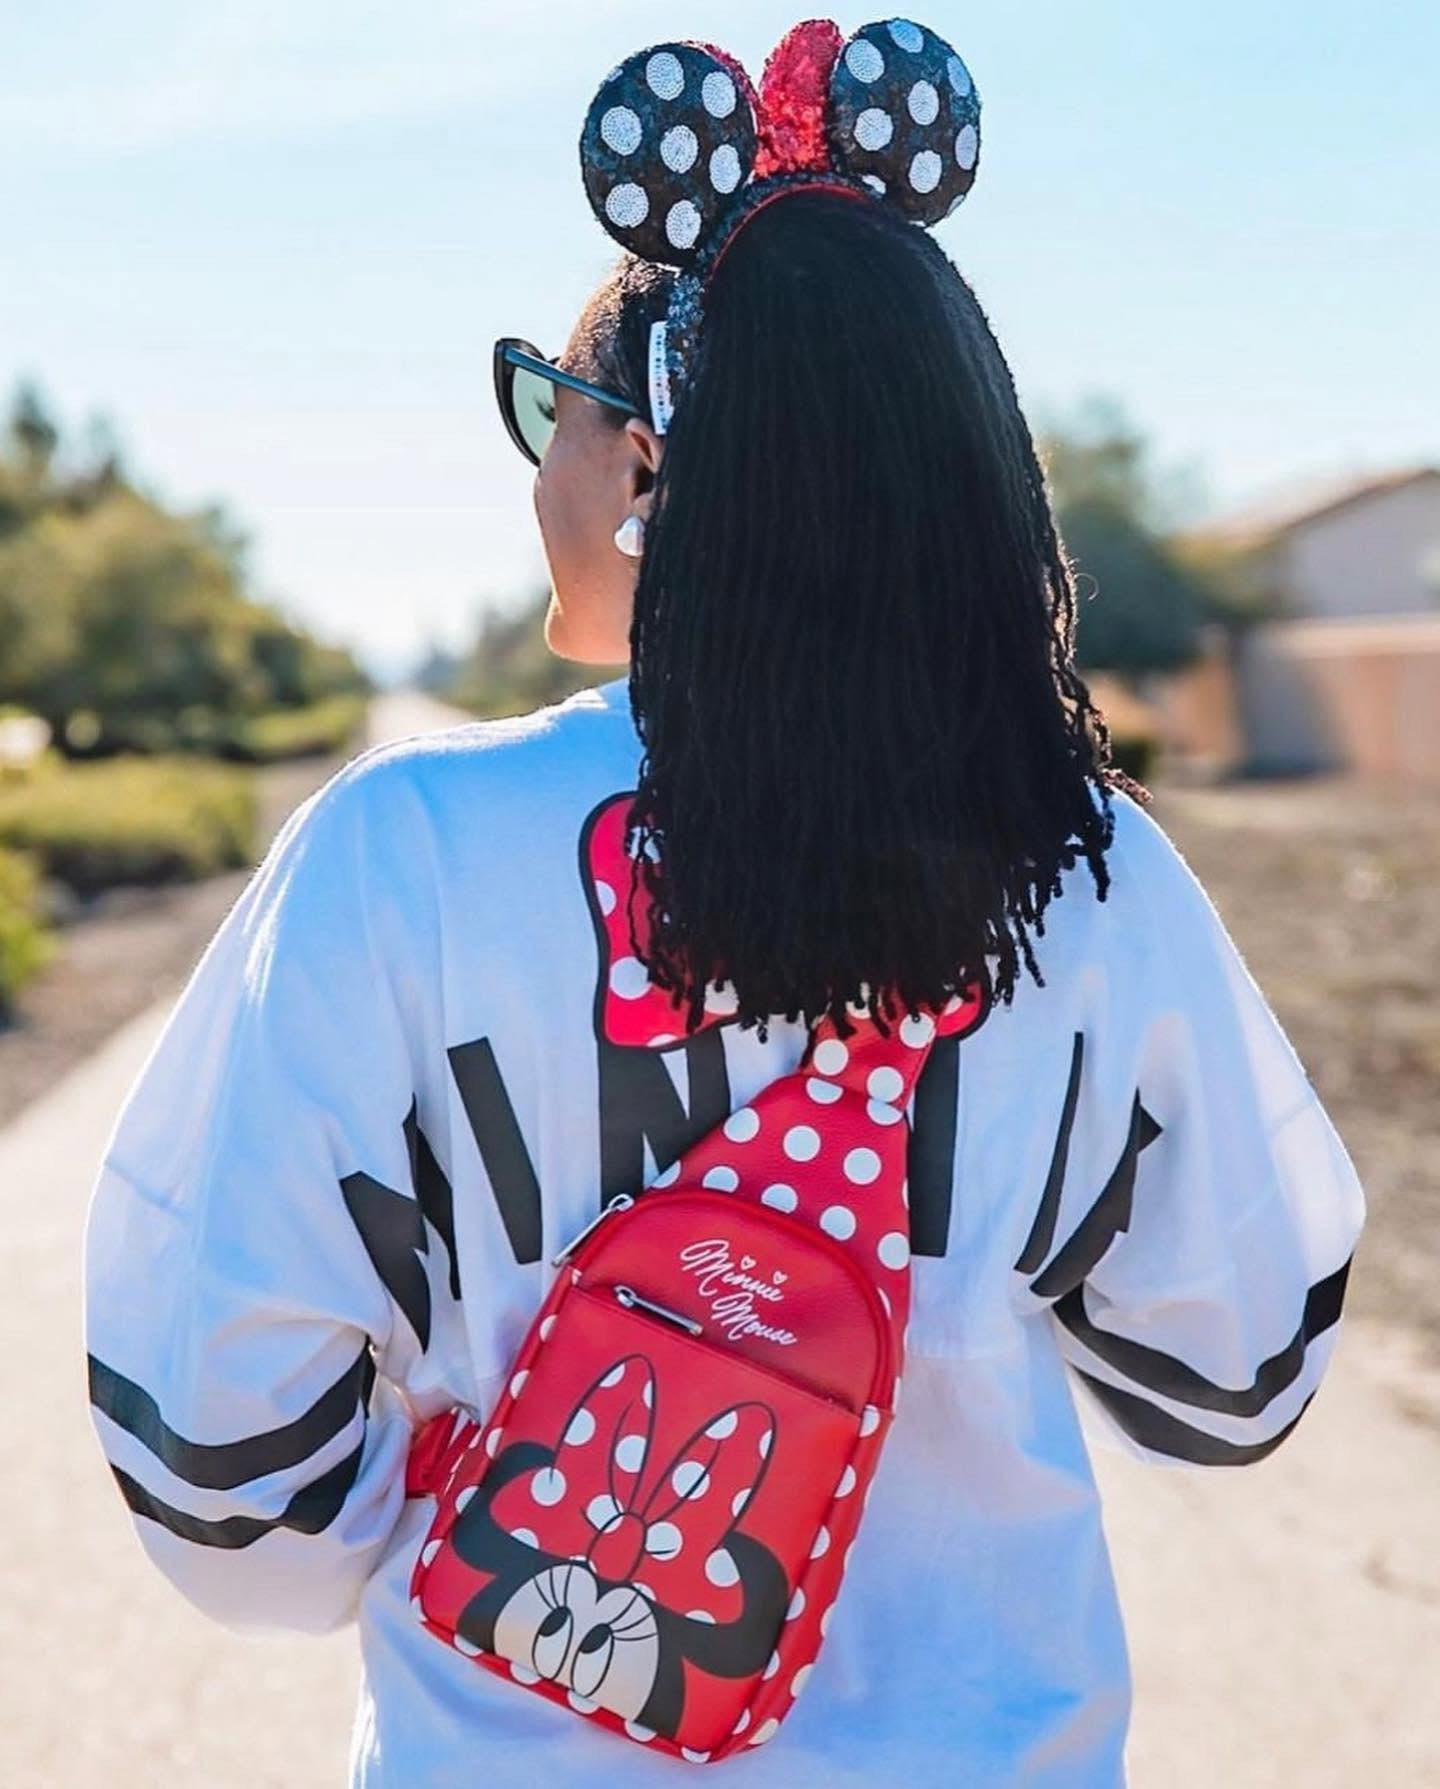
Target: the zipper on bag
pixel 811 1236
pixel 621 1202
pixel 631 1299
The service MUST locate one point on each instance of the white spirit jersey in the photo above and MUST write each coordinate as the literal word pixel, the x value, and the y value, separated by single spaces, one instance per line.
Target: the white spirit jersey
pixel 327 1208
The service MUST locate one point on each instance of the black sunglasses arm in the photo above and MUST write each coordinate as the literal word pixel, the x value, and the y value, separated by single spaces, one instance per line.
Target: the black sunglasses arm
pixel 536 363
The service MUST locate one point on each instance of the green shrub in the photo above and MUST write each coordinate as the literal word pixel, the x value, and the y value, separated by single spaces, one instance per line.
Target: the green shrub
pixel 325 726
pixel 304 730
pixel 127 819
pixel 26 945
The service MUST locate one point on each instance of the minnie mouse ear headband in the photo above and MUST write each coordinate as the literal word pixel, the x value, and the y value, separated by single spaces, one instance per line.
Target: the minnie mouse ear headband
pixel 679 150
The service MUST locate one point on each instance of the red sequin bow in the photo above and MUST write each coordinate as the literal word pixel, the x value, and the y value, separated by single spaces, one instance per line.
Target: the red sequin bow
pixel 790 116
pixel 790 113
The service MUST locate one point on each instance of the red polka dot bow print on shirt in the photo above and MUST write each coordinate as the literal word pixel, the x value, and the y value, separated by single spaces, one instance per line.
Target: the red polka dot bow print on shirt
pixel 849 1095
pixel 652 1524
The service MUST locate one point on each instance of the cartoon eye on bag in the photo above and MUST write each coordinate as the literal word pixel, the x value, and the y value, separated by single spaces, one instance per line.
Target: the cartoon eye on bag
pixel 606 1575
pixel 677 132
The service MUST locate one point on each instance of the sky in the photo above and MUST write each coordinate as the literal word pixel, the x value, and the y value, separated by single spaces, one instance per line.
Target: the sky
pixel 274 242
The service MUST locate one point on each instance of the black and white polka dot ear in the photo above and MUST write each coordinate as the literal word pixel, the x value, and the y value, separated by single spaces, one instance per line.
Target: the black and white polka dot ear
pixel 668 138
pixel 905 117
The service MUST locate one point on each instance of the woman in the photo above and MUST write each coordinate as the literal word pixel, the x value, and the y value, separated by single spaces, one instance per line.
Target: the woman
pixel 859 757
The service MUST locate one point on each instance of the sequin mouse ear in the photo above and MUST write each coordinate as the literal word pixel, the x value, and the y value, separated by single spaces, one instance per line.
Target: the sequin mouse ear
pixel 668 137
pixel 904 117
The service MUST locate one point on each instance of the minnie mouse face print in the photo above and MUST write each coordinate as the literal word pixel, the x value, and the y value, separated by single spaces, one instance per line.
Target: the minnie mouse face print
pixel 612 1564
pixel 601 1644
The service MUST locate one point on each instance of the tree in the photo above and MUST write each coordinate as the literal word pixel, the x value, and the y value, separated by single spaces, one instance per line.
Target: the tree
pixel 115 607
pixel 510 669
pixel 1141 607
pixel 32 429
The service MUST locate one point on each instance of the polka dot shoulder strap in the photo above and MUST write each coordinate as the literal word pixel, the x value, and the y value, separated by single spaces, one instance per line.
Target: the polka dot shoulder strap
pixel 652 1524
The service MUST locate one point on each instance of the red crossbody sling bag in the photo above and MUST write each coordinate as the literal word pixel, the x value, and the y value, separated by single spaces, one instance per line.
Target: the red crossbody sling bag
pixel 652 1523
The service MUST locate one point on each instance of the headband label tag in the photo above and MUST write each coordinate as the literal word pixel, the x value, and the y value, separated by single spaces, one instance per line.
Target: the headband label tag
pixel 660 405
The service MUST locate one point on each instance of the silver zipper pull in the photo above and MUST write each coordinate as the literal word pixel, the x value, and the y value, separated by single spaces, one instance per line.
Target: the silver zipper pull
pixel 621 1202
pixel 632 1300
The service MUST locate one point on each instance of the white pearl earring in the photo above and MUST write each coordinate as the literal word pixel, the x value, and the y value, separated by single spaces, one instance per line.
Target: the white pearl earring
pixel 630 537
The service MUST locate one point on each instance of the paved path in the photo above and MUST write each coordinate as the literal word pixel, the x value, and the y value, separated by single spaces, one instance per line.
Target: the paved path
pixel 1285 1619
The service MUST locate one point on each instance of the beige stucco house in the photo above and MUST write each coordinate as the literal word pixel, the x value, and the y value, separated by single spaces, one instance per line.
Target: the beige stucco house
pixel 1344 552
pixel 1345 671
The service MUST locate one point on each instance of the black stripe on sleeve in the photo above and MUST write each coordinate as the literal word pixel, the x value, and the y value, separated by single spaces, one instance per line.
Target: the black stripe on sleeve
pixel 312 1508
pixel 1162 1433
pixel 1169 1377
pixel 220 1466
pixel 1107 1218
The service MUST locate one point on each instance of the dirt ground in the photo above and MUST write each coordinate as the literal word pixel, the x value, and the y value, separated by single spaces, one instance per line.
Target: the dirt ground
pixel 1331 889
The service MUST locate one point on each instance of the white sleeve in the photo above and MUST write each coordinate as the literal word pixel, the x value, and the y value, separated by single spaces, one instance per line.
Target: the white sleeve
pixel 1195 1234
pixel 232 1312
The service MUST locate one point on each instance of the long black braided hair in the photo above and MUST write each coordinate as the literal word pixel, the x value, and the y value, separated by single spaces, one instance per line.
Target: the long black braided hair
pixel 868 753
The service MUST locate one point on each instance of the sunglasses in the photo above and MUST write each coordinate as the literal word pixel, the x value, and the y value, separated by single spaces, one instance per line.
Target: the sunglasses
pixel 525 384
